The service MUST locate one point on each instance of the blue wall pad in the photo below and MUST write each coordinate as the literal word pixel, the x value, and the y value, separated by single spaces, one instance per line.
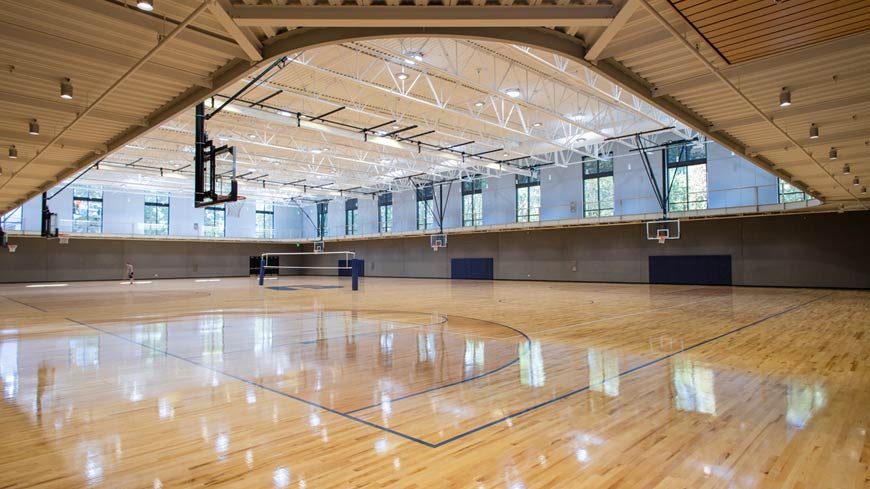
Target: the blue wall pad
pixel 471 268
pixel 690 270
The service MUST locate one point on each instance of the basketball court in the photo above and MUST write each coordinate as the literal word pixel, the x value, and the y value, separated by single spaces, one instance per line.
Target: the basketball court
pixel 455 245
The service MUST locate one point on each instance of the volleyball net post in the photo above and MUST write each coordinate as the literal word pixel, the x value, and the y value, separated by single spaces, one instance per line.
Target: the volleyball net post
pixel 349 263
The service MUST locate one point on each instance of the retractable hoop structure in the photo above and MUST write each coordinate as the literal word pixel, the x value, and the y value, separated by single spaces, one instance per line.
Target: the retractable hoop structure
pixel 349 259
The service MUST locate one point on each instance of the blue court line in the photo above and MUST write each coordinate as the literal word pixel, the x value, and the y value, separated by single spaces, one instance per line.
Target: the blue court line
pixel 622 374
pixel 264 387
pixel 414 394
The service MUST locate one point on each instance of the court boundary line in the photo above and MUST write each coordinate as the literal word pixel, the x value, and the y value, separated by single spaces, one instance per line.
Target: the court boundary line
pixel 24 304
pixel 459 436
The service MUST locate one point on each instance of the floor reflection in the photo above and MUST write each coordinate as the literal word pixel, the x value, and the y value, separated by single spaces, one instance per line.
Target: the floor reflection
pixel 694 386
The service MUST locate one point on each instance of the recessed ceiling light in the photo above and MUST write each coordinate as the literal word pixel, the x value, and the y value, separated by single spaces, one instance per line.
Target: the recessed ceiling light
pixel 285 113
pixel 537 124
pixel 513 92
pixel 66 89
pixel 396 126
pixel 479 104
pixel 146 5
pixel 252 136
pixel 402 76
pixel 505 154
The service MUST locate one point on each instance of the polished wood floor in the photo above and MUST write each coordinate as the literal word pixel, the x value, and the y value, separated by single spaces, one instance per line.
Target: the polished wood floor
pixel 432 384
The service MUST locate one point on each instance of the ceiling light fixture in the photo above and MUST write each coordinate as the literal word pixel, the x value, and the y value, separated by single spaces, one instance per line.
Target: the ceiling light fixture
pixel 579 116
pixel 395 126
pixel 847 169
pixel 513 92
pixel 13 153
pixel 285 113
pixel 863 190
pixel 252 136
pixel 146 5
pixel 537 124
pixel 785 97
pixel 814 131
pixel 856 181
pixel 402 76
pixel 832 154
pixel 479 103
pixel 33 128
pixel 66 89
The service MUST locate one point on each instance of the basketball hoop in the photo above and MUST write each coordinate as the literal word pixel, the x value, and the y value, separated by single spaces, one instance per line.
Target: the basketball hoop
pixel 438 241
pixel 63 239
pixel 662 238
pixel 11 247
pixel 234 208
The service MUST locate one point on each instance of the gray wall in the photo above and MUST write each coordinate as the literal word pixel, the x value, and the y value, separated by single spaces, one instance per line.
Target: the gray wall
pixel 812 250
pixel 39 260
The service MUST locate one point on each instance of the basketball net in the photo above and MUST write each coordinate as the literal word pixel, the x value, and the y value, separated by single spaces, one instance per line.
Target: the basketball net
pixel 11 247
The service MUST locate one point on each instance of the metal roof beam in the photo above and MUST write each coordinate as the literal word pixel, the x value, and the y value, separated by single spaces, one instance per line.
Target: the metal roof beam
pixel 243 37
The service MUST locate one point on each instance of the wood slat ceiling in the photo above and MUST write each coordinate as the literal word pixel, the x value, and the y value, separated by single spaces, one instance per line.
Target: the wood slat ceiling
pixel 743 30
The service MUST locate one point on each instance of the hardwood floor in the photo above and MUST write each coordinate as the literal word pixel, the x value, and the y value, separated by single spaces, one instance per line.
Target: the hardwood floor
pixel 433 384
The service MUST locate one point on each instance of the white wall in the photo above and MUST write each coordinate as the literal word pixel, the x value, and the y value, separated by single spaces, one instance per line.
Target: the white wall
pixel 732 181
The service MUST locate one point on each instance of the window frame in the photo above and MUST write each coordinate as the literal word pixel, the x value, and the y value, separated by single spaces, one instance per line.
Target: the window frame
pixel 426 196
pixel 472 194
pixel 602 168
pixel 155 205
pixel 322 218
pixel 385 212
pixel 209 229
pixel 351 213
pixel 90 201
pixel 264 211
pixel 10 224
pixel 688 204
pixel 782 186
pixel 526 184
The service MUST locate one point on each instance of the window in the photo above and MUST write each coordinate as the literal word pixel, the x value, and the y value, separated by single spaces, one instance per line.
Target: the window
pixel 157 214
pixel 12 220
pixel 322 214
pixel 87 210
pixel 425 204
pixel 789 193
pixel 265 220
pixel 598 186
pixel 687 176
pixel 472 202
pixel 385 212
pixel 215 222
pixel 528 198
pixel 350 213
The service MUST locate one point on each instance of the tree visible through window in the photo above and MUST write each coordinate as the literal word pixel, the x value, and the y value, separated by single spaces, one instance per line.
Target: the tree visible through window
pixel 215 222
pixel 87 210
pixel 385 212
pixel 598 186
pixel 528 198
pixel 790 193
pixel 157 214
pixel 265 215
pixel 350 215
pixel 472 202
pixel 687 176
pixel 425 207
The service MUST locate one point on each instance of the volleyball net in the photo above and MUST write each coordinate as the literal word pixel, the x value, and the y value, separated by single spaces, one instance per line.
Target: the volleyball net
pixel 348 263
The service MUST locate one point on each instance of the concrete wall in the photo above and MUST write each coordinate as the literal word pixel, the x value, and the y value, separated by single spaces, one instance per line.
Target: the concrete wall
pixel 39 260
pixel 812 250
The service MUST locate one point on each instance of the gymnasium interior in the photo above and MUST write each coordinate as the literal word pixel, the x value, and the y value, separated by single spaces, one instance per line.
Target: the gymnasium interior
pixel 435 244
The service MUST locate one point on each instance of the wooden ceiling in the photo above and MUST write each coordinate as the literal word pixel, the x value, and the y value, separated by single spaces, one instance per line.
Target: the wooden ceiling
pixel 743 30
